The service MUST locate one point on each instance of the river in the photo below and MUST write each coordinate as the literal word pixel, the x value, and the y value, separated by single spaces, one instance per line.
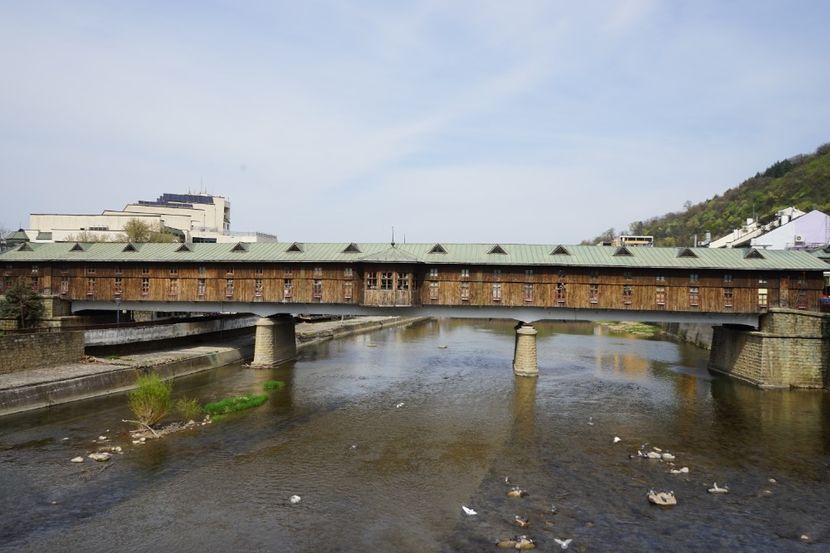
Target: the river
pixel 375 475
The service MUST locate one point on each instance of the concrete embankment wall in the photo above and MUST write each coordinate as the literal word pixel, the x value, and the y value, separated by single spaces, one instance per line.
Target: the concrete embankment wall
pixel 151 333
pixel 119 379
pixel 20 352
pixel 307 336
pixel 791 349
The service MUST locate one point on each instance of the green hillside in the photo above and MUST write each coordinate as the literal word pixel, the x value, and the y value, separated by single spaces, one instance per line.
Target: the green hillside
pixel 802 181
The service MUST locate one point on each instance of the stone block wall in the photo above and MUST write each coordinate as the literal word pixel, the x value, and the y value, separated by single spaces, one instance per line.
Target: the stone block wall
pixel 20 352
pixel 792 349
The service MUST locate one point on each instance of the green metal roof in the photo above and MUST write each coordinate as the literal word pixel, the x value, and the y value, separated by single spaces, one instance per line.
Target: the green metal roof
pixel 456 254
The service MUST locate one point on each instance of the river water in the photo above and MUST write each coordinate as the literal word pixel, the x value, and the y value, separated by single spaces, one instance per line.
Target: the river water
pixel 375 476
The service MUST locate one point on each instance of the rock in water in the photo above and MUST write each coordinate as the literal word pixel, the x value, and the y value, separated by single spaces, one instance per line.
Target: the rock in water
pixel 523 542
pixel 103 456
pixel 294 499
pixel 77 460
pixel 664 499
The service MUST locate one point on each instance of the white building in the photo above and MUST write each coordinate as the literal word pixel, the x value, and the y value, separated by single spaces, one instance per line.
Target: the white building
pixel 742 237
pixel 808 232
pixel 195 217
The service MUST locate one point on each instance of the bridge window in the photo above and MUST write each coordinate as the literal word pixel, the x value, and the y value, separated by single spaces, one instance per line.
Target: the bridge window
pixel 763 298
pixel 762 279
pixel 527 292
pixel 371 281
pixel 145 270
pixel 386 281
pixel 801 299
pixel 660 278
pixel 561 273
pixel 348 272
pixel 728 297
pixel 593 293
pixel 317 272
pixel 90 270
pixel 694 296
pixel 118 287
pixel 433 272
pixel 173 287
pixel 594 275
pixel 727 278
pixel 64 285
pixel 529 273
pixel 628 293
pixel 660 297
pixel 403 281
pixel 496 274
pixel 433 291
pixel 347 290
pixel 694 277
pixel 465 273
pixel 287 288
pixel 258 270
pixel 497 291
pixel 258 287
pixel 465 291
pixel 229 270
pixel 202 270
pixel 228 287
pixel 35 269
pixel 317 290
pixel 288 273
pixel 200 287
pixel 118 270
pixel 627 275
pixel 35 284
pixel 560 292
pixel 145 286
pixel 90 286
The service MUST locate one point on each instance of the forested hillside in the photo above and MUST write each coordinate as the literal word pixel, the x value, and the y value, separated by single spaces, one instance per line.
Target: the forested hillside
pixel 802 181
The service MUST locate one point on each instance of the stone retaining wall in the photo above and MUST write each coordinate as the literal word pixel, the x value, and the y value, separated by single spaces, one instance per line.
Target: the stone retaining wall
pixel 20 352
pixel 792 349
pixel 129 335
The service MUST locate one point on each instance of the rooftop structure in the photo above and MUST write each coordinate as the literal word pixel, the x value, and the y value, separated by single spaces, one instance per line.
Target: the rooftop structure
pixel 742 237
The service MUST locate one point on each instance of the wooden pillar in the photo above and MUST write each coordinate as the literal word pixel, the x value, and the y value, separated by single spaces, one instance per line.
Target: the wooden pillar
pixel 275 341
pixel 524 356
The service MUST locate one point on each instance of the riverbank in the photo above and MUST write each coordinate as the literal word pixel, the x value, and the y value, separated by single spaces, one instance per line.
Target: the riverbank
pixel 99 376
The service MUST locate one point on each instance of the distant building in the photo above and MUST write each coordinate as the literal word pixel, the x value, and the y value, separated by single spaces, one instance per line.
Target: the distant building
pixel 808 232
pixel 742 237
pixel 194 217
pixel 632 240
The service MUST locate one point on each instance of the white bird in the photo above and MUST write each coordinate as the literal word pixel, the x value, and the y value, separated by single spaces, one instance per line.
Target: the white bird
pixel 294 499
pixel 399 405
pixel 716 489
pixel 563 543
pixel 468 511
pixel 668 457
pixel 684 470
pixel 590 421
pixel 617 439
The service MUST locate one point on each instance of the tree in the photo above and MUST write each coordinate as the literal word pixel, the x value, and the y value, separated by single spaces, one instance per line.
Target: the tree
pixel 22 303
pixel 136 230
pixel 87 236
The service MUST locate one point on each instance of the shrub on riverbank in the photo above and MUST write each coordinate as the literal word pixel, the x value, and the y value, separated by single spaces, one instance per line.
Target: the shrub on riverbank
pixel 151 400
pixel 188 408
pixel 233 404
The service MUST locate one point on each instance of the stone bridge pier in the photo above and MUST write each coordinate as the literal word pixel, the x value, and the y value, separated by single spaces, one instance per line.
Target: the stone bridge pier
pixel 275 341
pixel 524 351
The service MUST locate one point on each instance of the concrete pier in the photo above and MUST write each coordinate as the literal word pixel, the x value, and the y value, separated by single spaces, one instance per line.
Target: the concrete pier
pixel 524 355
pixel 275 341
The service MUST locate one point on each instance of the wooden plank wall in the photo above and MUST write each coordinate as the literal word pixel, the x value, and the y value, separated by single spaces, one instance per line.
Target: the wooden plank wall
pixel 451 281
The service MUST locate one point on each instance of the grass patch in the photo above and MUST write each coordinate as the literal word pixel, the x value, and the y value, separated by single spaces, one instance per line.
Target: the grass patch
pixel 273 385
pixel 234 404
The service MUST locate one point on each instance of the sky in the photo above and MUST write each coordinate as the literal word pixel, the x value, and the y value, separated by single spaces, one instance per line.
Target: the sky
pixel 466 121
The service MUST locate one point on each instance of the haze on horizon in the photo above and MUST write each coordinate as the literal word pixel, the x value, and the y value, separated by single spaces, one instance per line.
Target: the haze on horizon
pixel 540 121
